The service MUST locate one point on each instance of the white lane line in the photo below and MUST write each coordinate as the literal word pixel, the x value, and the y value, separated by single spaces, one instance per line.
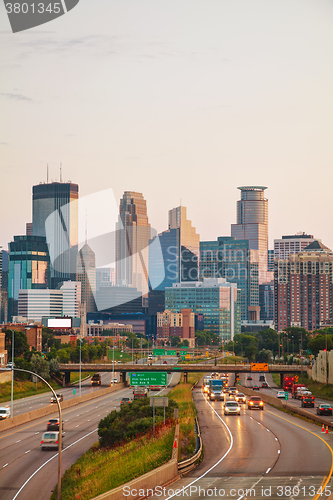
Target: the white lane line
pixel 268 430
pixel 27 451
pixel 77 426
pixel 49 460
pixel 217 463
pixel 5 465
pixel 36 432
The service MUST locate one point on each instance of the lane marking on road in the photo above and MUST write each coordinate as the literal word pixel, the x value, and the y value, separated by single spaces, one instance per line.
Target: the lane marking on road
pixel 325 480
pixel 49 460
pixel 217 463
pixel 65 413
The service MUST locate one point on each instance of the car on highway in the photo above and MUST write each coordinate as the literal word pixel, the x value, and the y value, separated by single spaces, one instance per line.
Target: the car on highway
pixel 308 401
pixel 10 365
pixel 324 409
pixel 59 397
pixel 155 388
pixel 232 408
pixel 256 387
pixel 53 424
pixel 281 394
pixel 255 402
pixel 240 398
pixel 114 381
pixel 125 401
pixel 50 440
pixel 232 391
pixel 249 377
pixel 4 412
pixel 165 362
pixel 264 385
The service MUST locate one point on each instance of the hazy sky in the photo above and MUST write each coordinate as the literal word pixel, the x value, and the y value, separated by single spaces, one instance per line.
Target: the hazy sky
pixel 177 99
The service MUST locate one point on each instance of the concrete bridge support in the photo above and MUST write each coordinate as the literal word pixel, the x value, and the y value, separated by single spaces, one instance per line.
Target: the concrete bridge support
pixel 185 377
pixel 66 379
pixel 122 376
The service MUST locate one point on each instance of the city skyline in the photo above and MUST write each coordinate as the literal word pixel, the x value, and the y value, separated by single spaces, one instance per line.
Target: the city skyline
pixel 241 95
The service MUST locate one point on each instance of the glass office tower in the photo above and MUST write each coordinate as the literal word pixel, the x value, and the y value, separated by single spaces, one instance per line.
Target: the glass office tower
pixel 29 267
pixel 189 244
pixel 235 261
pixel 216 299
pixel 133 232
pixel 55 216
pixel 252 224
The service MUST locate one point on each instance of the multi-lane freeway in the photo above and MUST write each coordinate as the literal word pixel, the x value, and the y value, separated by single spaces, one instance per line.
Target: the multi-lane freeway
pixel 269 453
pixel 27 473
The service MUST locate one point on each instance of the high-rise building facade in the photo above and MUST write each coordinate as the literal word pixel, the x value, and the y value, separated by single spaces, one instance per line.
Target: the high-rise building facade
pixel 304 288
pixel 29 267
pixel 216 299
pixel 86 274
pixel 172 324
pixel 252 224
pixel 133 232
pixel 189 244
pixel 34 304
pixel 55 216
pixel 234 260
pixel 266 301
pixel 71 291
pixel 164 260
pixel 291 244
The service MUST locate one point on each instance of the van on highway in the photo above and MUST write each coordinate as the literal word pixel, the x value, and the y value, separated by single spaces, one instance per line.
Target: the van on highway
pixel 4 412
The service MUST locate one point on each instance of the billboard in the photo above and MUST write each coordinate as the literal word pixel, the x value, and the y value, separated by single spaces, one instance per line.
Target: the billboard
pixel 259 367
pixel 59 323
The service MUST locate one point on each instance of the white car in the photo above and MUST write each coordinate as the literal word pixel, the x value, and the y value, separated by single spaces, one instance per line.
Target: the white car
pixel 280 394
pixel 232 408
pixel 4 412
pixel 114 381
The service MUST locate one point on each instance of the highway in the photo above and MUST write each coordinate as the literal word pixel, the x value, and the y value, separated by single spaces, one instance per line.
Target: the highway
pixel 31 403
pixel 266 451
pixel 26 472
pixel 273 389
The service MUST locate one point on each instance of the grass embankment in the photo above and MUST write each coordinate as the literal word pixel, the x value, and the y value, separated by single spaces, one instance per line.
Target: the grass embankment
pixel 122 356
pixel 75 376
pixel 98 470
pixel 25 388
pixel 230 360
pixel 182 394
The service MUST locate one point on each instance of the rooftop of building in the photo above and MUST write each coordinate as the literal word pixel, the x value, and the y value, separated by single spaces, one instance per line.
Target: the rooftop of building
pixel 252 188
pixel 317 246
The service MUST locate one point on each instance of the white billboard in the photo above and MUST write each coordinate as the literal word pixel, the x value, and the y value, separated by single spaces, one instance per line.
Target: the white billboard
pixel 59 323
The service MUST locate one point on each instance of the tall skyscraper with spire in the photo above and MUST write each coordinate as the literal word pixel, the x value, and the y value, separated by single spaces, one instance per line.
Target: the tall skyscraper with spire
pixel 86 274
pixel 133 232
pixel 252 224
pixel 55 216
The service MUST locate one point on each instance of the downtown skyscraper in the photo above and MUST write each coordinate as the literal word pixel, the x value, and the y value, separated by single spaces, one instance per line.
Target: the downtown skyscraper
pixel 252 224
pixel 133 232
pixel 55 216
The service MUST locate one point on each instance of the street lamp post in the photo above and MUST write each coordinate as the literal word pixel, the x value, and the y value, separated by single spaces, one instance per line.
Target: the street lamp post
pixel 132 351
pixel 113 360
pixel 12 388
pixel 80 371
pixel 60 424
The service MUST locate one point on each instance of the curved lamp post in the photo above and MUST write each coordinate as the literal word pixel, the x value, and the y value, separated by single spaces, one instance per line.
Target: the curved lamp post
pixel 60 422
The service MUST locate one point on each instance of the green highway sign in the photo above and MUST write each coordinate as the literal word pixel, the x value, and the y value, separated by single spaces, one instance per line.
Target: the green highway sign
pixel 183 353
pixel 158 352
pixel 286 396
pixel 176 368
pixel 149 378
pixel 171 353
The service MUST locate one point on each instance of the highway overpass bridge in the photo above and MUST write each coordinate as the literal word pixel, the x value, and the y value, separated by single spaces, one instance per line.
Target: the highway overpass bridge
pixel 124 368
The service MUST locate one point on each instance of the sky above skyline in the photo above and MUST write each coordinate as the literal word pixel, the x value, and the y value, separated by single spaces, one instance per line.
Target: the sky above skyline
pixel 179 100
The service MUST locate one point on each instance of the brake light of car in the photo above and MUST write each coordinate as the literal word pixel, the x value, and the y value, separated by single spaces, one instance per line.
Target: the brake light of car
pixel 57 442
pixel 41 442
pixel 48 423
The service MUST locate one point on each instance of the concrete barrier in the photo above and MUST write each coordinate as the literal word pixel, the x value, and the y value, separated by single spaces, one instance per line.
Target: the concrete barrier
pixel 162 476
pixel 52 408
